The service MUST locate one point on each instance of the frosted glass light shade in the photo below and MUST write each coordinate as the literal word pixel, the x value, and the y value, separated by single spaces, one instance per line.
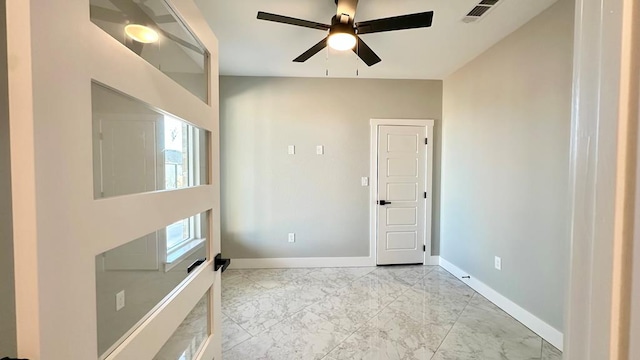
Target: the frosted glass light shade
pixel 342 41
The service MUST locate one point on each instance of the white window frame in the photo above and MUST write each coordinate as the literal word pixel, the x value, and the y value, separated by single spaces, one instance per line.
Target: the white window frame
pixel 176 254
pixel 196 240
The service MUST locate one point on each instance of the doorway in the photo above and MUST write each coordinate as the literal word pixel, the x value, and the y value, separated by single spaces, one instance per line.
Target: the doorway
pixel 401 205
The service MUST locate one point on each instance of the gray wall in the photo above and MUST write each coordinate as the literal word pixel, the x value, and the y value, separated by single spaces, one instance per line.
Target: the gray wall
pixel 505 162
pixel 7 292
pixel 267 193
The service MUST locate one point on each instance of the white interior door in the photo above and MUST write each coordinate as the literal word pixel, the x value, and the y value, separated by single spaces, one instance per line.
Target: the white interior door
pixel 401 194
pixel 58 54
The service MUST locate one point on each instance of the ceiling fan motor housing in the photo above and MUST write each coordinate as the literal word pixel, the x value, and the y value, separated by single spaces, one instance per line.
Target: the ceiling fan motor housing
pixel 340 27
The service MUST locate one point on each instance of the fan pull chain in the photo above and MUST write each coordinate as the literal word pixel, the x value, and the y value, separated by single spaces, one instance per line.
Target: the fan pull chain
pixel 327 62
pixel 357 56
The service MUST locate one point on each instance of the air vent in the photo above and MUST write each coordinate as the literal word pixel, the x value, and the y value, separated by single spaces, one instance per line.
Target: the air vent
pixel 479 10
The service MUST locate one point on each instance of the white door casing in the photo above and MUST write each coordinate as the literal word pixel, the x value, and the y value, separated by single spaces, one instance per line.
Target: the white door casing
pixel 603 138
pixel 55 52
pixel 401 176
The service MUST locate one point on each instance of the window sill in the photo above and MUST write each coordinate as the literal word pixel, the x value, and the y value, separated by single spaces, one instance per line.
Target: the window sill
pixel 176 256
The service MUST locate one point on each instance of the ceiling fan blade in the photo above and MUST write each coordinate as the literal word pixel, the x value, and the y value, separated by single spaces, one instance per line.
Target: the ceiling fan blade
pixel 365 53
pixel 402 22
pixel 291 21
pixel 105 14
pixel 314 50
pixel 347 7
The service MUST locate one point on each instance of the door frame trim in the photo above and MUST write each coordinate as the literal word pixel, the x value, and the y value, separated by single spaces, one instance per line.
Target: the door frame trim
pixel 602 178
pixel 373 183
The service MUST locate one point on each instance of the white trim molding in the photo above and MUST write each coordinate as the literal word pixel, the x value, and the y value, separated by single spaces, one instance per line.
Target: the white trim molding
pixel 602 181
pixel 311 262
pixel 544 330
pixel 432 260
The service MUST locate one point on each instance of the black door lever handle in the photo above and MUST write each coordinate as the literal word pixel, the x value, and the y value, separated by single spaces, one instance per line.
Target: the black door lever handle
pixel 384 202
pixel 219 262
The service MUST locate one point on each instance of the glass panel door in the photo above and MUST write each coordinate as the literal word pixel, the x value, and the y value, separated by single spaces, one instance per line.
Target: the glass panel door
pixel 186 343
pixel 114 149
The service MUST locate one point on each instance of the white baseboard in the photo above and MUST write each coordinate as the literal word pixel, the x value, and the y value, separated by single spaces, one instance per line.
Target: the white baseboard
pixel 316 262
pixel 275 263
pixel 433 260
pixel 544 330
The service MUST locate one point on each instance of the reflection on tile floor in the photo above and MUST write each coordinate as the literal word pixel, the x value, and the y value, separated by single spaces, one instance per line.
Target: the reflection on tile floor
pixel 399 313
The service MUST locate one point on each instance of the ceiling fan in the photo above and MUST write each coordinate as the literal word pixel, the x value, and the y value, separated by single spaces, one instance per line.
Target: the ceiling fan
pixel 344 32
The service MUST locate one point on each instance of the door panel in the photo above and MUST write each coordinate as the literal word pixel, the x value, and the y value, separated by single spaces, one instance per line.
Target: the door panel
pixel 402 143
pixel 402 216
pixel 402 167
pixel 402 240
pixel 401 181
pixel 63 225
pixel 402 192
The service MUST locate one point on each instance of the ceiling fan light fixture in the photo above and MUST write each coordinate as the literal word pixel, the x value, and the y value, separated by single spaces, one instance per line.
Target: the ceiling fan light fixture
pixel 141 33
pixel 342 41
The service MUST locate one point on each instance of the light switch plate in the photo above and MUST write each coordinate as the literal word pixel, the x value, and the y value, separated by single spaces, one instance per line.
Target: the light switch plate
pixel 120 300
pixel 320 149
pixel 291 149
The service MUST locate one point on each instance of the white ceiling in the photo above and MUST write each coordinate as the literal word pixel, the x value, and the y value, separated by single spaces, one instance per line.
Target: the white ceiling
pixel 251 47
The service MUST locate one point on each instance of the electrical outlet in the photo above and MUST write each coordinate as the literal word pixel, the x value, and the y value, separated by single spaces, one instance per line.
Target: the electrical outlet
pixel 319 149
pixel 120 300
pixel 291 149
pixel 498 263
pixel 364 181
pixel 292 237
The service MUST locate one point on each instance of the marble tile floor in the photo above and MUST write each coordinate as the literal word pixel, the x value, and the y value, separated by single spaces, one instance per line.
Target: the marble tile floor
pixel 381 313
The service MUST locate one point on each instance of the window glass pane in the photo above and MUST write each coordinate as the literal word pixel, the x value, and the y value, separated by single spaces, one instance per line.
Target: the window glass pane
pixel 138 149
pixel 176 233
pixel 143 273
pixel 152 30
pixel 187 340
